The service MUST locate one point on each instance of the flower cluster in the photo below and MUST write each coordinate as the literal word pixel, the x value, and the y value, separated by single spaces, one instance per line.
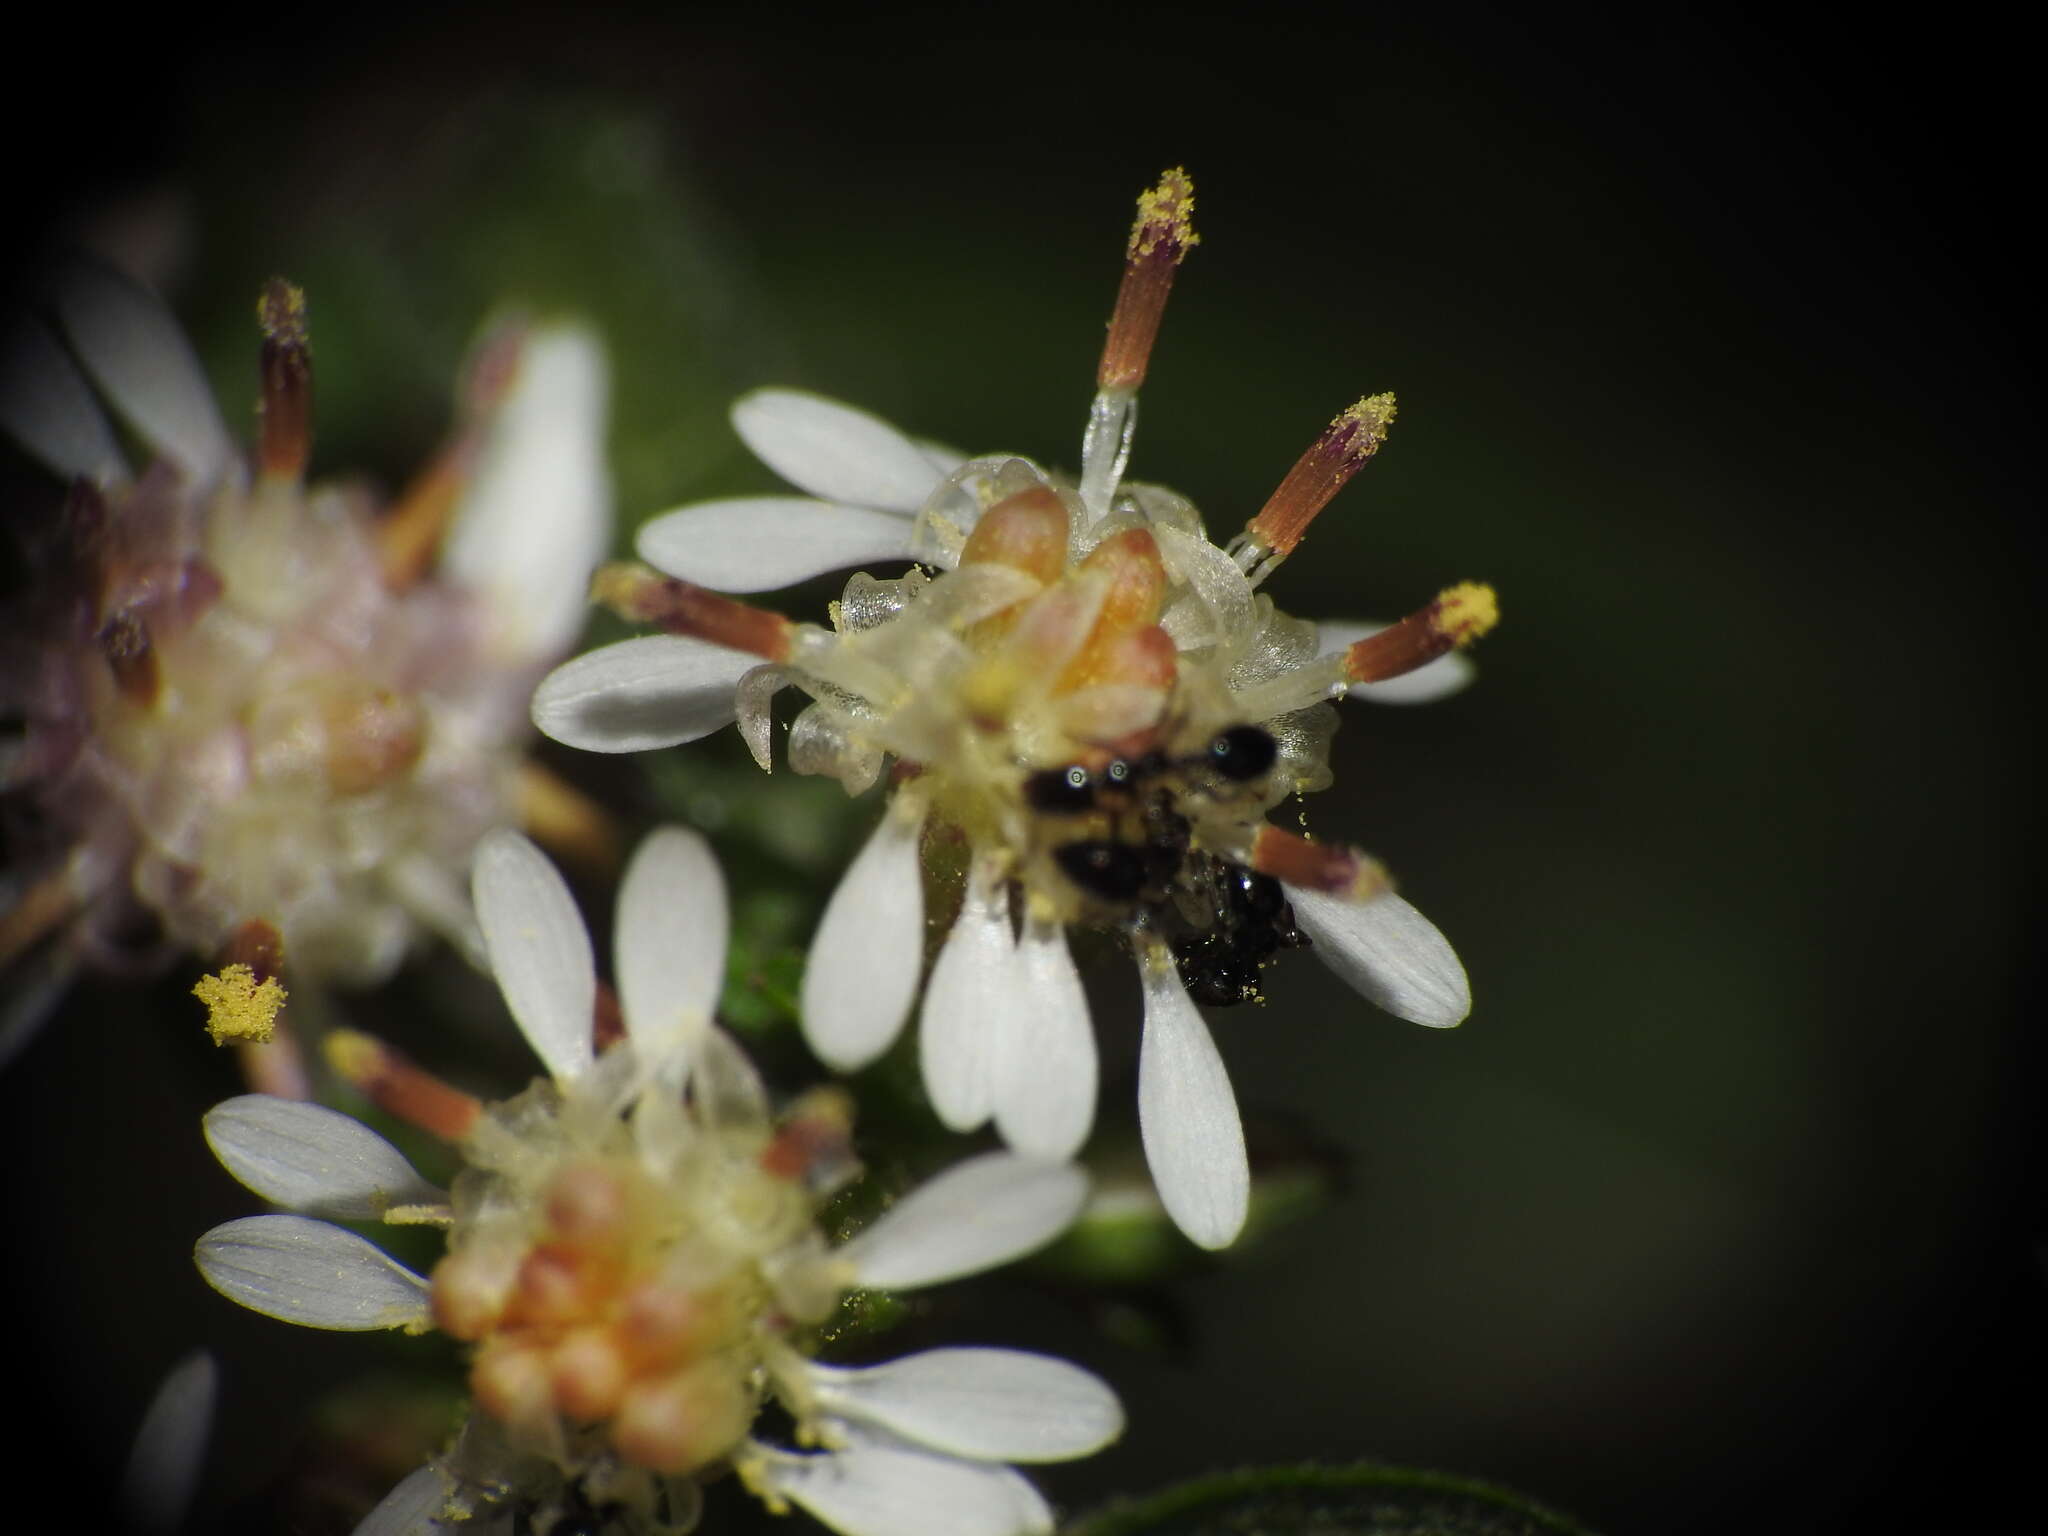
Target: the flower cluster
pixel 1089 700
pixel 633 1250
pixel 259 713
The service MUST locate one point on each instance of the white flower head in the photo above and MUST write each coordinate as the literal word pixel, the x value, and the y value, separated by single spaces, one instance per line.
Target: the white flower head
pixel 634 1251
pixel 1089 694
pixel 251 699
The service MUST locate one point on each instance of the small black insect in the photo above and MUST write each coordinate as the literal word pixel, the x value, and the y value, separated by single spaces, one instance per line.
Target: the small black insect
pixel 1243 752
pixel 1219 965
pixel 1068 790
pixel 1103 867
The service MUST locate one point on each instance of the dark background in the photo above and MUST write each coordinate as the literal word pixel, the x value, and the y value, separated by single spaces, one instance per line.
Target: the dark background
pixel 1722 1212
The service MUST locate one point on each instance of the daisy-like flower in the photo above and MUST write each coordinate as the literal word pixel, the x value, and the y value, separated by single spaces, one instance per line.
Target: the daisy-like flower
pixel 633 1250
pixel 1090 696
pixel 253 710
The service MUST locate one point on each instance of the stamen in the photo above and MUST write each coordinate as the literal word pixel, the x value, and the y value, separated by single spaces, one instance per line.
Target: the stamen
pixel 1460 615
pixel 683 608
pixel 1339 871
pixel 238 1006
pixel 131 657
pixel 1160 240
pixel 398 1087
pixel 286 439
pixel 258 945
pixel 1318 475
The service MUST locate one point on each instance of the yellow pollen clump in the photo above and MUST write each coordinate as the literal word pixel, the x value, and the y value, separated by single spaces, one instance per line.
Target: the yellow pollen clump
pixel 238 1006
pixel 1371 416
pixel 1165 215
pixel 1467 611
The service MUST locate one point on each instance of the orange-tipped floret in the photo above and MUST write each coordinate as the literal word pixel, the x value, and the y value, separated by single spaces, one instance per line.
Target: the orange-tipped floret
pixel 1332 868
pixel 1318 475
pixel 1137 586
pixel 1027 532
pixel 1160 239
pixel 683 608
pixel 1457 617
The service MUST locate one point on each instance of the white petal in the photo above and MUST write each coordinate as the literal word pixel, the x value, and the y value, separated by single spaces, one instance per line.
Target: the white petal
pixel 1045 1085
pixel 47 407
pixel 834 451
pixel 132 346
pixel 759 543
pixel 977 1214
pixel 536 516
pixel 669 943
pixel 640 695
pixel 876 1488
pixel 170 1447
pixel 969 1005
pixel 869 949
pixel 1433 680
pixel 410 1508
pixel 1187 1116
pixel 311 1158
pixel 305 1271
pixel 1390 952
pixel 986 1404
pixel 540 951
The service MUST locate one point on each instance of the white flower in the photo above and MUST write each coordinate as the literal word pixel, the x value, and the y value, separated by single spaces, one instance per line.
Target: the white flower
pixel 1091 694
pixel 248 699
pixel 633 1250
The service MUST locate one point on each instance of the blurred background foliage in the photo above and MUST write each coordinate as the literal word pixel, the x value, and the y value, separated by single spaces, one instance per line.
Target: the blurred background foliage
pixel 1721 1212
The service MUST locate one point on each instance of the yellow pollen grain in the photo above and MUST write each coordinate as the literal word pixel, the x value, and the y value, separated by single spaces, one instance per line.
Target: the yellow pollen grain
pixel 1372 416
pixel 1165 214
pixel 1467 611
pixel 238 1006
pixel 281 312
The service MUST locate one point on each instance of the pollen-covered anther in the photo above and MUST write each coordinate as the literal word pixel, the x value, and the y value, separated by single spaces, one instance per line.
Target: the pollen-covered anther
pixel 1160 239
pixel 1332 868
pixel 1317 476
pixel 1458 616
pixel 398 1087
pixel 286 440
pixel 239 1007
pixel 682 608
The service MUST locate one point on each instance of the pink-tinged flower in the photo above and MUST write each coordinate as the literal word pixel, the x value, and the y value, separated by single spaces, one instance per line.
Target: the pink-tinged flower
pixel 1090 695
pixel 634 1251
pixel 250 707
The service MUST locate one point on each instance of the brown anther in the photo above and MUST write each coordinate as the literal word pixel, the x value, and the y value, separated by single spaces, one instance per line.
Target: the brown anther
pixel 1027 532
pixel 814 1143
pixel 409 534
pixel 1328 867
pixel 398 1087
pixel 1457 617
pixel 258 945
pixel 131 657
pixel 567 822
pixel 285 441
pixel 589 1374
pixel 1160 239
pixel 1319 474
pixel 607 1019
pixel 373 737
pixel 684 608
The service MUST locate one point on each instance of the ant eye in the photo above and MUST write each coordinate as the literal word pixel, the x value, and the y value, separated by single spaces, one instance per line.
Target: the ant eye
pixel 1243 752
pixel 1118 772
pixel 1109 870
pixel 1060 790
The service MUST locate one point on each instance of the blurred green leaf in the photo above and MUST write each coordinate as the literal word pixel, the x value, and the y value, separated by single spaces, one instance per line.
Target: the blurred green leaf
pixel 1362 1499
